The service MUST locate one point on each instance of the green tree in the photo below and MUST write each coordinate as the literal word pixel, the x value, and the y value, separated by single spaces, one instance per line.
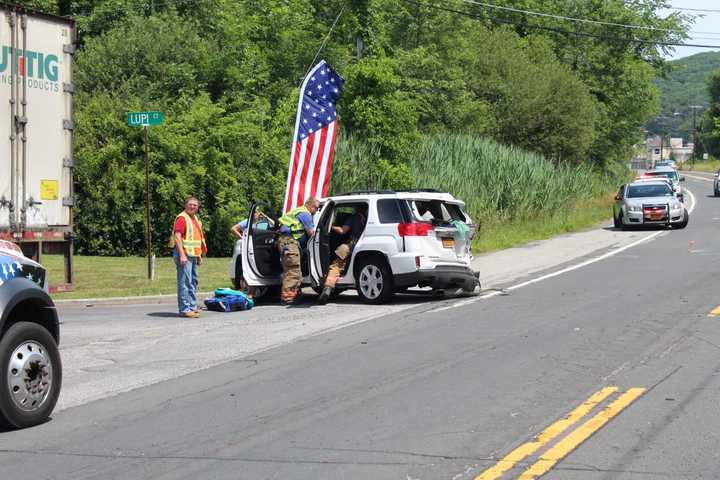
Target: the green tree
pixel 709 133
pixel 227 72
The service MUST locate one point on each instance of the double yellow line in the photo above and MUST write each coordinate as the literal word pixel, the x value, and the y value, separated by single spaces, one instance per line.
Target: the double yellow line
pixel 551 457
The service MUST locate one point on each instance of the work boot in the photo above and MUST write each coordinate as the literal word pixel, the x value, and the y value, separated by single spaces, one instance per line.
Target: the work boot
pixel 289 299
pixel 325 295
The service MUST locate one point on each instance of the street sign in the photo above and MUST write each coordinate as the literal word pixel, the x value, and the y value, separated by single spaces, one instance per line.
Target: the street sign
pixel 145 119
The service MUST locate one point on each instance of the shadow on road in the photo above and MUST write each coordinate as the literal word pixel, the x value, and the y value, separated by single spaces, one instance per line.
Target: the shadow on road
pixel 9 429
pixel 163 314
pixel 637 228
pixel 410 297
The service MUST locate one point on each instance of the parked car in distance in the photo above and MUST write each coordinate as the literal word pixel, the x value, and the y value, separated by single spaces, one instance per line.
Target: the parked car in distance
pixel 30 367
pixel 653 179
pixel 671 174
pixel 648 203
pixel 716 184
pixel 411 238
pixel 666 163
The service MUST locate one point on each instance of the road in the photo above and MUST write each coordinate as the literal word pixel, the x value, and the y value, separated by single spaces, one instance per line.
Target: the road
pixel 606 371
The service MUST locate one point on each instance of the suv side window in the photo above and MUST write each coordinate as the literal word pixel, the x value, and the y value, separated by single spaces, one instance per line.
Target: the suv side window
pixel 389 211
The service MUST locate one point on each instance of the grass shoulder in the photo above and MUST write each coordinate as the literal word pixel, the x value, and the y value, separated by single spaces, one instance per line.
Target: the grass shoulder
pixel 579 216
pixel 100 277
pixel 709 166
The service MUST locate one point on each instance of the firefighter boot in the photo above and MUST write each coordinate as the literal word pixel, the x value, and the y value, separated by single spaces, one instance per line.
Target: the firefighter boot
pixel 325 295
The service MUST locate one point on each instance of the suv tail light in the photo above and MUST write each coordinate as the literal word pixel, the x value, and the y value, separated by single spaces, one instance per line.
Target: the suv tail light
pixel 418 229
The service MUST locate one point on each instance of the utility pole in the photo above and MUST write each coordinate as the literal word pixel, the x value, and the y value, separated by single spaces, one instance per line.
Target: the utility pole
pixel 662 123
pixel 694 108
pixel 663 131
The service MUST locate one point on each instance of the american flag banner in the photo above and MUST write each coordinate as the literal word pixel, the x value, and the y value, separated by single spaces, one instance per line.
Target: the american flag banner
pixel 316 126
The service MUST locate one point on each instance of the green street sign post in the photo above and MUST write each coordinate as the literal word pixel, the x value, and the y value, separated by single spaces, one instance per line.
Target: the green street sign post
pixel 145 120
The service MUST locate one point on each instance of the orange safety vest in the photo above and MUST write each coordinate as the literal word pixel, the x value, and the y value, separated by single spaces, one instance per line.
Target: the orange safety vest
pixel 194 240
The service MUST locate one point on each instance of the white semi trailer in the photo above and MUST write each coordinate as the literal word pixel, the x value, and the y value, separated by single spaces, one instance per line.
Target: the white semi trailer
pixel 36 133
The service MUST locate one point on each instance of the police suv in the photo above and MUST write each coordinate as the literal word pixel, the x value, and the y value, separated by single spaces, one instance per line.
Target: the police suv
pixel 30 368
pixel 411 238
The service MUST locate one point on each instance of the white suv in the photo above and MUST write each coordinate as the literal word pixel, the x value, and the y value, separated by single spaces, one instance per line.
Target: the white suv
pixel 412 238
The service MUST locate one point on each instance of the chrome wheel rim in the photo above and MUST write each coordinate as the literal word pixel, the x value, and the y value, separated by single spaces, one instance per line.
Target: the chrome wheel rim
pixel 371 282
pixel 29 376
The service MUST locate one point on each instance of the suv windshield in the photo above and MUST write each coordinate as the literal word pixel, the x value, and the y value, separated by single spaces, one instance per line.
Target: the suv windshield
pixel 672 175
pixel 637 191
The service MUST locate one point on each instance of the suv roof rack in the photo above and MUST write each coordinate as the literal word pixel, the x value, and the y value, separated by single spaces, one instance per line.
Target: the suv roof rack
pixel 422 190
pixel 386 192
pixel 363 192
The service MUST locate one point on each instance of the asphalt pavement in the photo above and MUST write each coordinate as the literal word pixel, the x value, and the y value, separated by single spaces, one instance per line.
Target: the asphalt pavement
pixel 604 367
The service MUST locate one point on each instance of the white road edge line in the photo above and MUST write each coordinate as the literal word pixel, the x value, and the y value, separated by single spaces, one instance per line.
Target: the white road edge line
pixel 564 270
pixel 700 178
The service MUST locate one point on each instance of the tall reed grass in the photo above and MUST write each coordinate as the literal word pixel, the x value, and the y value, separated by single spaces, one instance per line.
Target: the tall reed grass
pixel 499 183
pixel 503 182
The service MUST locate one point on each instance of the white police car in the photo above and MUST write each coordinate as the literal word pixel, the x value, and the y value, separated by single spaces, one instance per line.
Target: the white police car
pixel 30 368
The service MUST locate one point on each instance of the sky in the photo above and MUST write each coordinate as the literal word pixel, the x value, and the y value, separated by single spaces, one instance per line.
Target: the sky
pixel 709 22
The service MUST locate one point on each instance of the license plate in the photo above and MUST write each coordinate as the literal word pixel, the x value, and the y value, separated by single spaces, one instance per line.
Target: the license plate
pixel 654 216
pixel 448 243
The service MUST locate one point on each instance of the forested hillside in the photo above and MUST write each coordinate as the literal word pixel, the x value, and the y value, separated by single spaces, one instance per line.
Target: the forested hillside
pixel 685 85
pixel 226 74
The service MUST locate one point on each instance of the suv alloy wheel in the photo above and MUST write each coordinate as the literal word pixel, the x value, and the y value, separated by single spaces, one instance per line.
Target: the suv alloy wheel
pixel 374 281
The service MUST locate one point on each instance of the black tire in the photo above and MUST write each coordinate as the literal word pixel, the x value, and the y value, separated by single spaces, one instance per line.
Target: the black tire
pixel 715 191
pixel 259 294
pixel 684 223
pixel 622 225
pixel 374 280
pixel 469 287
pixel 237 282
pixel 25 349
pixel 266 294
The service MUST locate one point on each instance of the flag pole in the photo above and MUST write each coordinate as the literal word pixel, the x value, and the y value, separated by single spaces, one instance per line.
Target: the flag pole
pixel 295 133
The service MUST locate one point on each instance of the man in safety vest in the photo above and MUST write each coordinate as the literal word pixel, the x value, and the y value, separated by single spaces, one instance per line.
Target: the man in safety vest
pixel 188 244
pixel 296 227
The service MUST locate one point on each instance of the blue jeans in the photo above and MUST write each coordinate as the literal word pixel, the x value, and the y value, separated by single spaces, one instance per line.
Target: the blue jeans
pixel 187 283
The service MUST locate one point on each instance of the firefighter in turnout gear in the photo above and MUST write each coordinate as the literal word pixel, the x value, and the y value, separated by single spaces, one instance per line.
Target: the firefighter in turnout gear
pixel 351 231
pixel 296 227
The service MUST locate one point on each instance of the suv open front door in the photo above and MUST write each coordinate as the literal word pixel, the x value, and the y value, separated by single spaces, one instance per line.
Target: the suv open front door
pixel 319 245
pixel 260 257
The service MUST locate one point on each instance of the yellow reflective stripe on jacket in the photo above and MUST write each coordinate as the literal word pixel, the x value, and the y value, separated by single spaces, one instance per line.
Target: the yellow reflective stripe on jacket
pixel 191 245
pixel 291 221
